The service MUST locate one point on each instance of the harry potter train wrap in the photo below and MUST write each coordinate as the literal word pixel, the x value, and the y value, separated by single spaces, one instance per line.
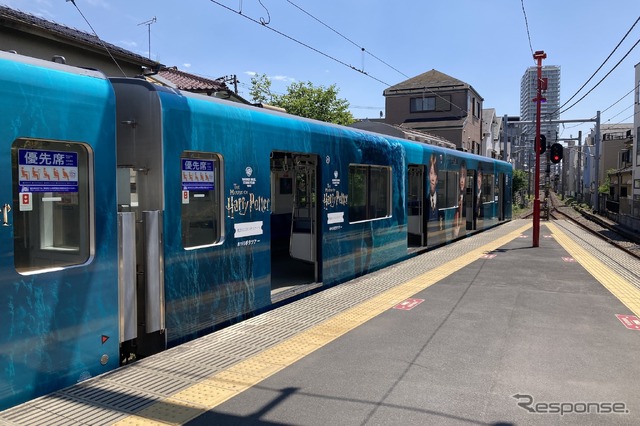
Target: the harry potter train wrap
pixel 136 217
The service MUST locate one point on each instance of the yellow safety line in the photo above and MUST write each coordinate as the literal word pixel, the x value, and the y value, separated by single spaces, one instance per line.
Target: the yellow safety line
pixel 617 285
pixel 220 387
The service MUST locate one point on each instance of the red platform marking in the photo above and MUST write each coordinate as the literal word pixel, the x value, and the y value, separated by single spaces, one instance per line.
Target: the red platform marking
pixel 630 321
pixel 408 304
pixel 568 259
pixel 488 256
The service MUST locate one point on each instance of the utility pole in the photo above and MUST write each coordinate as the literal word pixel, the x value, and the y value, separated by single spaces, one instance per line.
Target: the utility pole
pixel 579 186
pixel 539 56
pixel 594 195
pixel 505 129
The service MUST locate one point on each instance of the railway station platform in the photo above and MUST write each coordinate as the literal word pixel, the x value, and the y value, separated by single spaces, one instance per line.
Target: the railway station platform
pixel 487 330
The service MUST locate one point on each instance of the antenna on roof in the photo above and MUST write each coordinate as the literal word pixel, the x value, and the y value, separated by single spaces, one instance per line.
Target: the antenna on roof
pixel 148 24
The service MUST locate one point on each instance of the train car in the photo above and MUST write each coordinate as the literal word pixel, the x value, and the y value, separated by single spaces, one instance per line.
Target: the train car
pixel 58 245
pixel 187 213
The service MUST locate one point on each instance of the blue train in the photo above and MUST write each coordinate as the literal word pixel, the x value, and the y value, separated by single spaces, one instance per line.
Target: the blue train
pixel 140 217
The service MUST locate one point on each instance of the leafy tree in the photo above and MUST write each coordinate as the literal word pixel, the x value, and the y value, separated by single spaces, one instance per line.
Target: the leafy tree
pixel 261 89
pixel 520 181
pixel 304 99
pixel 605 187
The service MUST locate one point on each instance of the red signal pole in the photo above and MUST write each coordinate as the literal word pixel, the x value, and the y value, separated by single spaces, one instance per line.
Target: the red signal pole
pixel 539 56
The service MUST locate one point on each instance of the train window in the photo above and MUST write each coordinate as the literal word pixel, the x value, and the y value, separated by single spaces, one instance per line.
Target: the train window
pixel 52 219
pixel 452 189
pixel 487 188
pixel 369 192
pixel 201 199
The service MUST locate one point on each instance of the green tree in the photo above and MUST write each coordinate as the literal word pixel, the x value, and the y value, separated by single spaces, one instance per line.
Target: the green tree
pixel 304 99
pixel 261 89
pixel 605 187
pixel 520 181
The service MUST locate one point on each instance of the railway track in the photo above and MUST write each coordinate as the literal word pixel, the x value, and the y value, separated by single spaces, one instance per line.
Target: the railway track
pixel 624 241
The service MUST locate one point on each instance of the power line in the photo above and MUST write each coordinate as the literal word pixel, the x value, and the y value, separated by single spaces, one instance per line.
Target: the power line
pixel 614 116
pixel 624 96
pixel 602 79
pixel 599 68
pixel 623 121
pixel 609 107
pixel 425 89
pixel 371 54
pixel 526 23
pixel 99 39
pixel 346 38
pixel 300 43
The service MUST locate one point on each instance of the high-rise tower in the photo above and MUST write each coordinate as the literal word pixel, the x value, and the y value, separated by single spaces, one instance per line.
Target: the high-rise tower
pixel 550 108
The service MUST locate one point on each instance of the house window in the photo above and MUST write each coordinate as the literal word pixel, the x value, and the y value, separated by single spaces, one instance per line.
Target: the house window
pixel 423 104
pixel 431 103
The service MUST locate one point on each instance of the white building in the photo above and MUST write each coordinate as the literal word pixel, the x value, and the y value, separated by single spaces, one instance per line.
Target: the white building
pixel 492 145
pixel 550 110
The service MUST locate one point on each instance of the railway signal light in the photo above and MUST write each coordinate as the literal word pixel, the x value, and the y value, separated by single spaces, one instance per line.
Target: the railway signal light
pixel 543 144
pixel 556 153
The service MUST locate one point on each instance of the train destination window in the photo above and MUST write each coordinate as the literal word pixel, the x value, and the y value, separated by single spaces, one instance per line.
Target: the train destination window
pixel 369 192
pixel 201 199
pixel 51 193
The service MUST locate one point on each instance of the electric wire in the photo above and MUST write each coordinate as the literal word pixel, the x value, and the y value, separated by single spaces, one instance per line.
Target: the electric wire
pixel 625 119
pixel 602 79
pixel 609 107
pixel 326 55
pixel 597 70
pixel 347 38
pixel 375 57
pixel 96 34
pixel 329 56
pixel 526 23
pixel 614 116
pixel 624 96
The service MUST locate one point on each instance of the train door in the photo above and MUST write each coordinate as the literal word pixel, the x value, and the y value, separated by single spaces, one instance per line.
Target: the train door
pixel 140 189
pixel 470 200
pixel 416 236
pixel 294 223
pixel 501 201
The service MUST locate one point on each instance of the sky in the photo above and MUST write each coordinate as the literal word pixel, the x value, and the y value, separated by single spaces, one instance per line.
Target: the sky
pixel 485 43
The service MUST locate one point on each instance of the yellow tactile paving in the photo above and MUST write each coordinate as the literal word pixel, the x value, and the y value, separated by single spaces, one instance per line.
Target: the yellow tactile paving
pixel 617 285
pixel 193 401
pixel 204 395
pixel 169 411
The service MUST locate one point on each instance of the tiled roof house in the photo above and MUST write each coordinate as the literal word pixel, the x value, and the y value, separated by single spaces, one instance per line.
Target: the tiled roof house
pixel 439 104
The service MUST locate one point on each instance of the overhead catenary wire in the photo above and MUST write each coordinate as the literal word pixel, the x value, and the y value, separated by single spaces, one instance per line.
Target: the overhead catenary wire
pixel 96 34
pixel 300 42
pixel 614 116
pixel 610 106
pixel 327 55
pixel 597 70
pixel 347 38
pixel 425 89
pixel 602 79
pixel 526 24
